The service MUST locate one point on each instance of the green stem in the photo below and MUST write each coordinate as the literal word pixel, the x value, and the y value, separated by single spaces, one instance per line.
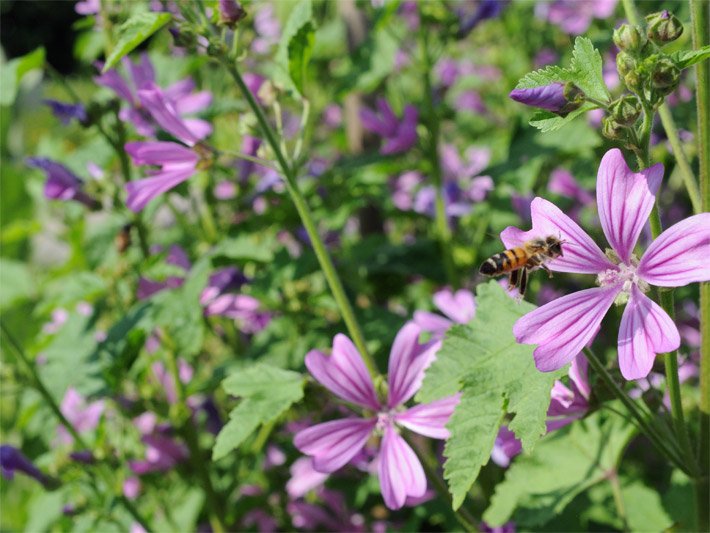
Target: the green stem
pixel 463 517
pixel 644 425
pixel 686 171
pixel 700 23
pixel 54 407
pixel 613 478
pixel 182 419
pixel 304 212
pixel 441 222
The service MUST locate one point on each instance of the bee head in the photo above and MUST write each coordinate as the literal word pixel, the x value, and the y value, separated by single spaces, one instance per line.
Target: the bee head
pixel 554 245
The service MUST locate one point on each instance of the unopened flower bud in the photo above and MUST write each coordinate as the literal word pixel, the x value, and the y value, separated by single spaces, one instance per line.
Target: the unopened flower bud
pixel 611 129
pixel 633 81
pixel 184 36
pixel 230 13
pixel 552 97
pixel 624 64
pixel 216 48
pixel 625 110
pixel 666 75
pixel 663 27
pixel 628 38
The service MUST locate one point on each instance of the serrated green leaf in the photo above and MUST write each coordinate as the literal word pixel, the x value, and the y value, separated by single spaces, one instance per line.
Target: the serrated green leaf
pixel 12 72
pixel 133 32
pixel 296 45
pixel 546 121
pixel 484 360
pixel 266 393
pixel 688 58
pixel 586 68
pixel 537 487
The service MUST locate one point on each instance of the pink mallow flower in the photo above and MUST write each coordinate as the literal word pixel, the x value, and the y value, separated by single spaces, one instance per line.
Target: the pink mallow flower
pixel 676 258
pixel 177 164
pixel 458 307
pixel 82 415
pixel 333 444
pixel 400 135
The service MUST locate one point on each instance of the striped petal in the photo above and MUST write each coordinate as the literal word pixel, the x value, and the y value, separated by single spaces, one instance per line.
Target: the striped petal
pixel 430 419
pixel 401 474
pixel 625 200
pixel 333 444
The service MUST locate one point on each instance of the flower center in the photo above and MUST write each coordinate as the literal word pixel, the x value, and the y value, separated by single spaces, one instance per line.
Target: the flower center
pixel 624 274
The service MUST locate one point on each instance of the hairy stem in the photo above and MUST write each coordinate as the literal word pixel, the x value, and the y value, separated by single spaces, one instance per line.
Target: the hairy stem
pixel 700 23
pixel 306 216
pixel 443 230
pixel 644 425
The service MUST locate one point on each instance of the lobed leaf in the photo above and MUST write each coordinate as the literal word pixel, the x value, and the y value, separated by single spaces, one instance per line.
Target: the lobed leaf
pixel 133 32
pixel 687 58
pixel 12 72
pixel 296 45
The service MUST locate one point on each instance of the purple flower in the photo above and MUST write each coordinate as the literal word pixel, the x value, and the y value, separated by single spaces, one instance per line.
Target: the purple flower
pixel 508 527
pixel 562 182
pixel 505 447
pixel 167 112
pixel 218 299
pixel 333 444
pixel 304 478
pixel 230 12
pixel 399 135
pixel 459 308
pixel 470 100
pixel 162 454
pixel 132 487
pixel 333 515
pixel 177 257
pixel 550 97
pixel 575 16
pixel 83 416
pixel 177 164
pixel 66 112
pixel 61 182
pixel 267 28
pixel 88 7
pixel 486 9
pixel 13 460
pixel 677 257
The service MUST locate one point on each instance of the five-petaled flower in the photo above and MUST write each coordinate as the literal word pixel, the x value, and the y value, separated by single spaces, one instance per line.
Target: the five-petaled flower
pixel 679 256
pixel 400 135
pixel 333 444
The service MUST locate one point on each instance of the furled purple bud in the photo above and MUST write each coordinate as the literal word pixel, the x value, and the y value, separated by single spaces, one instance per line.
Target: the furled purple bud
pixel 67 112
pixel 230 13
pixel 629 38
pixel 61 183
pixel 556 97
pixel 663 27
pixel 13 460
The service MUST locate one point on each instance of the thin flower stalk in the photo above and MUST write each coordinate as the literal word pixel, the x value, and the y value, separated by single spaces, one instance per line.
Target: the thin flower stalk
pixel 304 212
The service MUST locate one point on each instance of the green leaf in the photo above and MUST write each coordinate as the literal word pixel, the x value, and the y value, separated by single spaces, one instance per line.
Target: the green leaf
pixel 16 282
pixel 296 45
pixel 133 32
pixel 497 376
pixel 244 248
pixel 266 393
pixel 585 71
pixel 688 58
pixel 12 72
pixel 644 510
pixel 566 462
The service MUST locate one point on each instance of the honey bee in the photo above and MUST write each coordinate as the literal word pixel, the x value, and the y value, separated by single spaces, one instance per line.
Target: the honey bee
pixel 518 261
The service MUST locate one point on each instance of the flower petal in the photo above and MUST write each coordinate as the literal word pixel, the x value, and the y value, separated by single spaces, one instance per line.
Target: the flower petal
pixel 431 322
pixel 408 360
pixel 164 113
pixel 581 254
pixel 333 444
pixel 344 373
pixel 160 153
pixel 140 192
pixel 625 200
pixel 401 474
pixel 459 306
pixel 680 255
pixel 578 375
pixel 564 326
pixel 430 419
pixel 646 330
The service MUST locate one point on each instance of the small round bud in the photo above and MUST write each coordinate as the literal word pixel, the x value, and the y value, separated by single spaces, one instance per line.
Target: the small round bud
pixel 611 129
pixel 625 64
pixel 665 76
pixel 663 27
pixel 629 38
pixel 230 13
pixel 184 36
pixel 625 110
pixel 216 48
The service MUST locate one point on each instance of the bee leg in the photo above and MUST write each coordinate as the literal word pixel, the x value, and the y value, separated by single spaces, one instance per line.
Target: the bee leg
pixel 514 278
pixel 549 272
pixel 523 281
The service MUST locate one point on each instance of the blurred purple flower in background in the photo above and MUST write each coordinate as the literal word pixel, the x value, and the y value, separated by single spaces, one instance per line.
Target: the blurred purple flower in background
pixel 84 416
pixel 562 182
pixel 458 307
pixel 399 135
pixel 304 478
pixel 176 256
pixel 574 16
pixel 332 515
pixel 485 9
pixel 13 460
pixel 66 112
pixel 676 258
pixel 177 164
pixel 267 28
pixel 333 444
pixel 62 183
